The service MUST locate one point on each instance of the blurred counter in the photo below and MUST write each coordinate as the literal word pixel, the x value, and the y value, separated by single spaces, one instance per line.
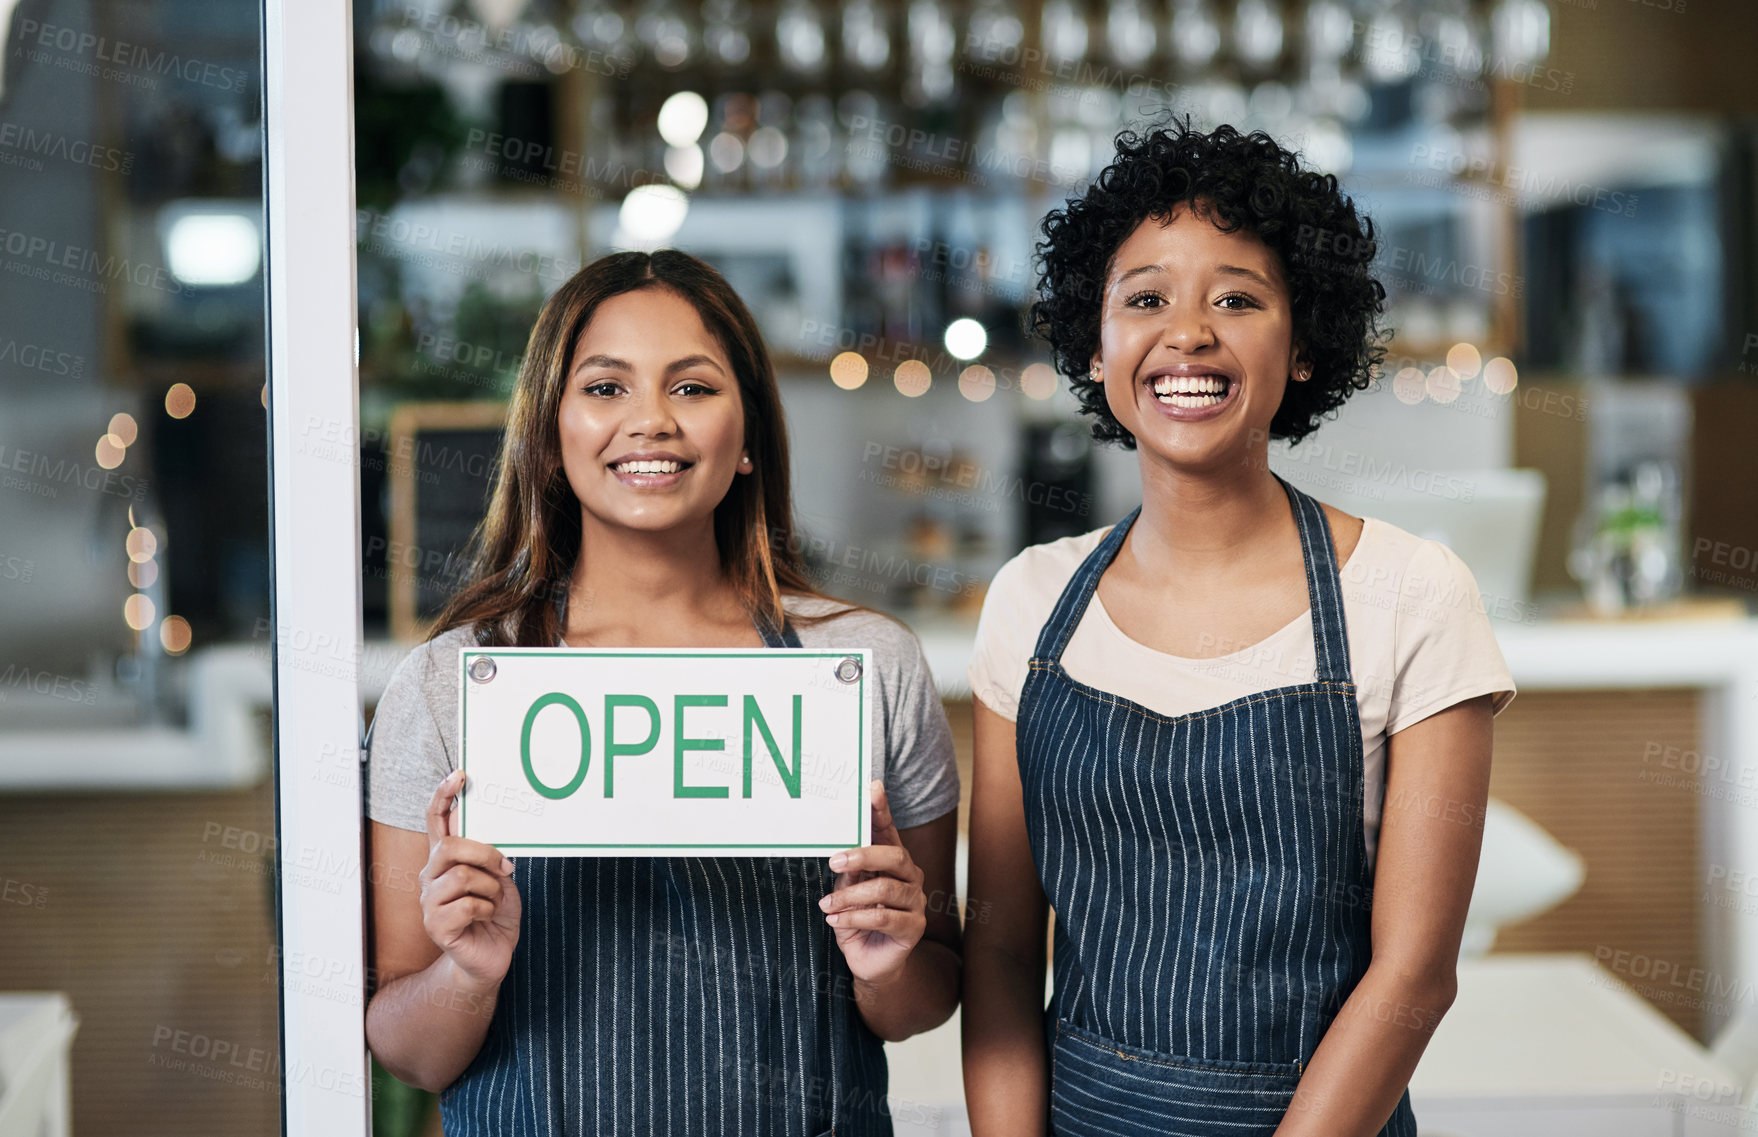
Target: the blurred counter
pixel 1635 742
pixel 1705 757
pixel 231 683
pixel 1544 655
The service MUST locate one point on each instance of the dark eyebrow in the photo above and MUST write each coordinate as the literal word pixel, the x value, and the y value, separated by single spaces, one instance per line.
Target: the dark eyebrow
pixel 672 368
pixel 1222 270
pixel 1137 271
pixel 1249 274
pixel 690 361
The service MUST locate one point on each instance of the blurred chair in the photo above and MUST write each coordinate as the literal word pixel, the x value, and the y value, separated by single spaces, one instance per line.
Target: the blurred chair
pixel 1736 1049
pixel 36 1033
pixel 1521 872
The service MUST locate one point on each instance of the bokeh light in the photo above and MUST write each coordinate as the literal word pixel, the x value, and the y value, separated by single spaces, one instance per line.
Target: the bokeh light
pixel 682 118
pixel 976 382
pixel 965 338
pixel 123 426
pixel 913 378
pixel 109 452
pixel 1410 385
pixel 1442 385
pixel 848 370
pixel 1464 360
pixel 141 544
pixel 138 611
pixel 179 400
pixel 1038 381
pixel 174 634
pixel 1499 375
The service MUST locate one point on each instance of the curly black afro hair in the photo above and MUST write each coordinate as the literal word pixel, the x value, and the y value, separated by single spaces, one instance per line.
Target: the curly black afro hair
pixel 1238 182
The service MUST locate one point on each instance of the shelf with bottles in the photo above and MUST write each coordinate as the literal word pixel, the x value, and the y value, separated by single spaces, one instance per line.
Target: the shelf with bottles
pixel 743 96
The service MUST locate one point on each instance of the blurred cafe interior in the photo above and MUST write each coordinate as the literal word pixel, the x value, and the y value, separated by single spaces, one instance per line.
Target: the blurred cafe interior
pixel 1566 197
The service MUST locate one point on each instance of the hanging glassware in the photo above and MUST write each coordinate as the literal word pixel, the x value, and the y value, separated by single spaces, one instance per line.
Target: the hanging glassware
pixel 1453 63
pixel 996 31
pixel 601 27
pixel 1457 44
pixel 1064 31
pixel 799 36
pixel 811 153
pixel 767 148
pixel 866 154
pixel 723 31
pixel 1196 34
pixel 1330 31
pixel 931 45
pixel 1257 34
pixel 1390 49
pixel 665 30
pixel 537 36
pixel 866 42
pixel 734 119
pixel 1129 33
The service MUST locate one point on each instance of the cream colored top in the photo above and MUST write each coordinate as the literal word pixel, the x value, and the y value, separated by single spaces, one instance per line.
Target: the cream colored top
pixel 1419 642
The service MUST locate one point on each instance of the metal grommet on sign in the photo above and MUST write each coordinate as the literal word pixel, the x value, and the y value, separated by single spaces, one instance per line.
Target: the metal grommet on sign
pixel 849 669
pixel 482 669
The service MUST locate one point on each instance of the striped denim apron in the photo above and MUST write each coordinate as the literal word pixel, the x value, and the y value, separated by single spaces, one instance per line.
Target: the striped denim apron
pixel 674 995
pixel 1208 873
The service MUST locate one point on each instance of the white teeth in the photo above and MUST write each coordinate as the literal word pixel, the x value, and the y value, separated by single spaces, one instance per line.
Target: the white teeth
pixel 1190 385
pixel 1190 390
pixel 649 466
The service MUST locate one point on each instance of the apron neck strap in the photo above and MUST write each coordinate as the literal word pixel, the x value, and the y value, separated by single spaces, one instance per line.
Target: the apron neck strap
pixel 1072 604
pixel 1323 589
pixel 786 637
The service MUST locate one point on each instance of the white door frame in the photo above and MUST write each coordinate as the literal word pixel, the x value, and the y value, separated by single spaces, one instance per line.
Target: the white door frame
pixel 314 509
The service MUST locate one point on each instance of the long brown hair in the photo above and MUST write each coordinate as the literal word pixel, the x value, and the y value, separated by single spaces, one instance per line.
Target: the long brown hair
pixel 522 554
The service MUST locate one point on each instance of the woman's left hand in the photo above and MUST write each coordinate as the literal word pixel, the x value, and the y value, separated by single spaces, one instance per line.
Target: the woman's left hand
pixel 879 910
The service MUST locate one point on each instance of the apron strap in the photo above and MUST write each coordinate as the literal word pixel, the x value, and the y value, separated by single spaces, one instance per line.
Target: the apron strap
pixel 787 637
pixel 1072 604
pixel 1323 589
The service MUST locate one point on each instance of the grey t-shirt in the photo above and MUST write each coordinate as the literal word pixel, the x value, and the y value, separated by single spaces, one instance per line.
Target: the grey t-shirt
pixel 415 728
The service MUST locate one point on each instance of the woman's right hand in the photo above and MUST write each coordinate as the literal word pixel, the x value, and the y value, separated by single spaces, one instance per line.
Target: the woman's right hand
pixel 469 904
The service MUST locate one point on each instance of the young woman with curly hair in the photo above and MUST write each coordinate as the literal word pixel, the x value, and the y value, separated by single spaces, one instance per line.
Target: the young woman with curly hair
pixel 1239 742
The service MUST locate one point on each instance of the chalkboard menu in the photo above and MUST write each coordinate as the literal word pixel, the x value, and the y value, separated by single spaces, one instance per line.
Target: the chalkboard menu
pixel 442 460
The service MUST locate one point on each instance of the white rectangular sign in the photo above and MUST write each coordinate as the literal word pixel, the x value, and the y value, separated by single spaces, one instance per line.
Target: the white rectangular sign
pixel 572 752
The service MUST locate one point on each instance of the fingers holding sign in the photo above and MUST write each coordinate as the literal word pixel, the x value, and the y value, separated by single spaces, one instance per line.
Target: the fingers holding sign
pixel 878 909
pixel 470 906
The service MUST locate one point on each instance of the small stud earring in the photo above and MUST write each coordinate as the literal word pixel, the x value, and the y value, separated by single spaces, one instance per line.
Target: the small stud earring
pixel 745 461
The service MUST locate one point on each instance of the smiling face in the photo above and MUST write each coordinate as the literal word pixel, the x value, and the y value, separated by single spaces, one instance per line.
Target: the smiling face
pixel 652 423
pixel 1195 340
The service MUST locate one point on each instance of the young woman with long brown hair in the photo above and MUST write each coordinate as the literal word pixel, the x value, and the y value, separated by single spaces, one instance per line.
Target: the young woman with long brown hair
pixel 642 500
